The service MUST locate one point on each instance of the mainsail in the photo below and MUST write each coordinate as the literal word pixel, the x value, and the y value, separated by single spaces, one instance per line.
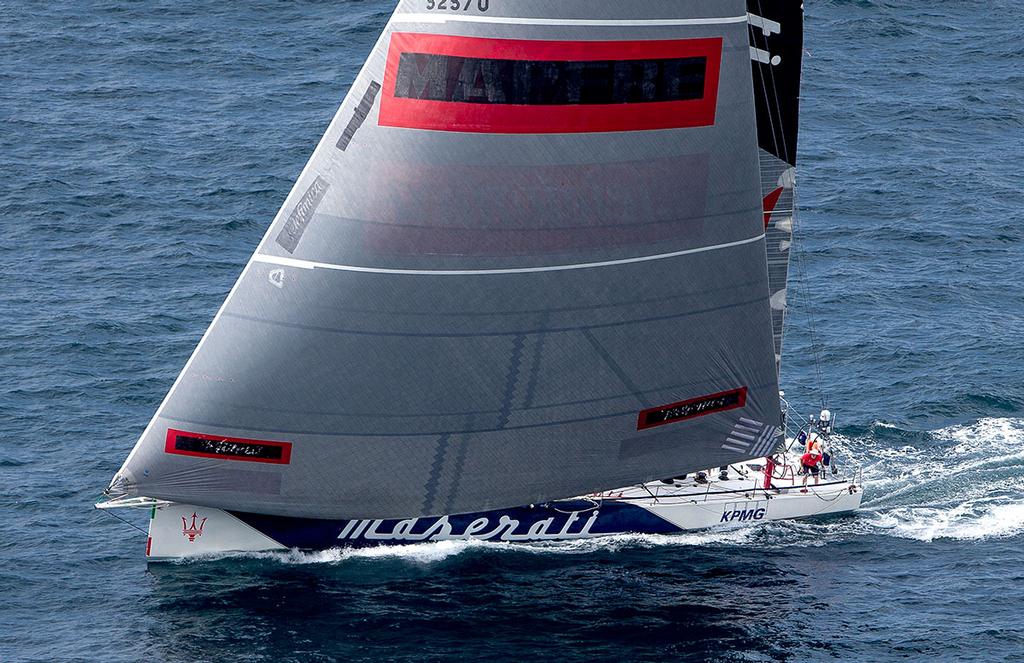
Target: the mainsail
pixel 776 42
pixel 526 261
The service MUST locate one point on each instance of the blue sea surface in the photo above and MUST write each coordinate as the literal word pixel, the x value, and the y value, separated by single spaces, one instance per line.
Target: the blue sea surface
pixel 145 147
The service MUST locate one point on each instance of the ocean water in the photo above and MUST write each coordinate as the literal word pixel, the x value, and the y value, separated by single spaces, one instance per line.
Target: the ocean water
pixel 145 146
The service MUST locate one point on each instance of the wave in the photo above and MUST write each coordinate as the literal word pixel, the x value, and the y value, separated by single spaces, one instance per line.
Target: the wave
pixel 432 552
pixel 964 522
pixel 962 482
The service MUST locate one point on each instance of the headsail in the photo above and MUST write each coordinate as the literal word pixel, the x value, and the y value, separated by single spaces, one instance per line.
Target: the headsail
pixel 526 261
pixel 776 43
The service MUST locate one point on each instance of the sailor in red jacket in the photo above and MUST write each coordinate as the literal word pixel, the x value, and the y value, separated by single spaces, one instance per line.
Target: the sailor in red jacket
pixel 809 461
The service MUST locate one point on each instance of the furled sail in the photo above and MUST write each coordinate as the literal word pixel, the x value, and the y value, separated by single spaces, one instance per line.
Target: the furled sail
pixel 776 43
pixel 526 261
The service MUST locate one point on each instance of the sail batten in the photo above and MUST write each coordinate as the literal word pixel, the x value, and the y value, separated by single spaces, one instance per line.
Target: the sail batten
pixel 526 261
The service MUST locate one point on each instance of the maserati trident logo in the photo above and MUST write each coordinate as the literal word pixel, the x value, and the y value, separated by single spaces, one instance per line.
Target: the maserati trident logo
pixel 192 531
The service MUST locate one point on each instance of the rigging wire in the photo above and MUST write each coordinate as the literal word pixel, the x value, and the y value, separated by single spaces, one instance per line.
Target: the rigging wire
pixel 124 520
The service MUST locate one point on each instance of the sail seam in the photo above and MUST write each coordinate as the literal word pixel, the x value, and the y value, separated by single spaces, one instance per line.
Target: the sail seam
pixel 460 459
pixel 588 22
pixel 460 456
pixel 435 473
pixel 310 264
pixel 615 368
pixel 538 351
pixel 511 380
pixel 382 332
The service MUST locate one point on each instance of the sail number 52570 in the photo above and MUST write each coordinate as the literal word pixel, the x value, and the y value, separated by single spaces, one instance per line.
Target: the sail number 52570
pixel 458 5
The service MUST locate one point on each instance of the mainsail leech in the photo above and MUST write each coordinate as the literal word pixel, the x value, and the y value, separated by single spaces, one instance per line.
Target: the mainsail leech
pixel 444 359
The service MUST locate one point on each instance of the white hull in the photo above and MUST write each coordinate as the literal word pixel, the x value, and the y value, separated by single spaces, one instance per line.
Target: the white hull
pixel 180 530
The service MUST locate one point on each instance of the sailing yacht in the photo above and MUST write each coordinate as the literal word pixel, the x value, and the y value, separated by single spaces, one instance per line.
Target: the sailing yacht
pixel 541 251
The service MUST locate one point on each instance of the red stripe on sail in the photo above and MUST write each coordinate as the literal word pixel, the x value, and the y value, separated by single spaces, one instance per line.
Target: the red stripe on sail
pixel 691 408
pixel 770 201
pixel 550 118
pixel 203 445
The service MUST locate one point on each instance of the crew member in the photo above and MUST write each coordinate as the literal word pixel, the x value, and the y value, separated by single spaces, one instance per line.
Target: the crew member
pixel 825 422
pixel 814 444
pixel 809 464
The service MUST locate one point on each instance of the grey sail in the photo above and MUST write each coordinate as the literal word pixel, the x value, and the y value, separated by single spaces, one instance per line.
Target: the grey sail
pixel 526 261
pixel 776 41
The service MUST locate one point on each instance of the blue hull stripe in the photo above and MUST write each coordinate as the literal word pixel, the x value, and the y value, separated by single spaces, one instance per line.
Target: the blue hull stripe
pixel 569 519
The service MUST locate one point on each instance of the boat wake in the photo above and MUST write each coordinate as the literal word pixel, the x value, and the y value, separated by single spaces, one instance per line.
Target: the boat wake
pixel 430 552
pixel 963 482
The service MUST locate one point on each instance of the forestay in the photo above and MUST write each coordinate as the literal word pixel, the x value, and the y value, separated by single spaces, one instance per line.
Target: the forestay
pixel 526 261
